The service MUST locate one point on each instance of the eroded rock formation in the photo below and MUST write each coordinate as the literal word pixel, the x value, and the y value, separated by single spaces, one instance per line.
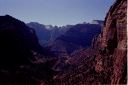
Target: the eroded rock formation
pixel 109 65
pixel 114 39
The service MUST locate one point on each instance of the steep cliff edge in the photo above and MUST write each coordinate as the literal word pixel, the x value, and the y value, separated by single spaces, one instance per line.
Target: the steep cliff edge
pixel 113 44
pixel 109 65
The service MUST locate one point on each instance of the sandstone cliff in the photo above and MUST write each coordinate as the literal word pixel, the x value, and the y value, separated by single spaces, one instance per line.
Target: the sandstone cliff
pixel 109 65
pixel 113 54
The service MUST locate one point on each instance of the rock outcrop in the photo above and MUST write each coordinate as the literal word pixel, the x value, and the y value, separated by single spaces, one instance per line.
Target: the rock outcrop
pixel 113 54
pixel 22 60
pixel 17 41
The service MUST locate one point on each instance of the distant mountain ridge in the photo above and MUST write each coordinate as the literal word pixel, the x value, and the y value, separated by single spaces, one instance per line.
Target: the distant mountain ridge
pixel 77 37
pixel 42 33
pixel 47 33
pixel 67 39
pixel 97 22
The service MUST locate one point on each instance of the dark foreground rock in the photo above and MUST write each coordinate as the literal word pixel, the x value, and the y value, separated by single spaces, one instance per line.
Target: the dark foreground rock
pixel 22 60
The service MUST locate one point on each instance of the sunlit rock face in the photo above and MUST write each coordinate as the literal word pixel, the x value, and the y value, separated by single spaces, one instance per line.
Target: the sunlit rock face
pixel 109 64
pixel 113 57
pixel 115 39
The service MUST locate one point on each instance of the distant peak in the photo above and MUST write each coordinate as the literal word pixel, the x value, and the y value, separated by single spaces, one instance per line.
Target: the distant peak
pixel 97 22
pixel 8 15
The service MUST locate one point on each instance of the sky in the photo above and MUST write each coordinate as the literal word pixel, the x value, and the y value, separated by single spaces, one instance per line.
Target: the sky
pixel 56 12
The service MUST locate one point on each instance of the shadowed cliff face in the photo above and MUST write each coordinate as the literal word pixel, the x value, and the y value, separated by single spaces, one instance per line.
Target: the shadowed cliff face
pixel 22 60
pixel 109 64
pixel 18 43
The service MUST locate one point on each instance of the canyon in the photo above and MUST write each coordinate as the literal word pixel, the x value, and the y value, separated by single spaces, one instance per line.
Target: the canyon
pixel 108 63
pixel 101 60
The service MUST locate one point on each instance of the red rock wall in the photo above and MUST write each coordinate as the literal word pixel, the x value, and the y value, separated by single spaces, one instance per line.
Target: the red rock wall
pixel 114 44
pixel 109 65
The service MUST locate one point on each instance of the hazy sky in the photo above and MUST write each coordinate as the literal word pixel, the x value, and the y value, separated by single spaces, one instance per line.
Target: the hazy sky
pixel 56 12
